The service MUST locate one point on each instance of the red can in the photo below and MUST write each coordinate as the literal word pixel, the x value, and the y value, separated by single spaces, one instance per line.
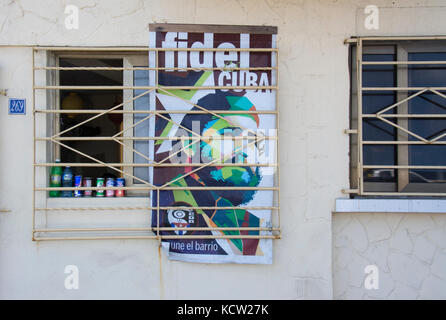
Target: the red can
pixel 120 182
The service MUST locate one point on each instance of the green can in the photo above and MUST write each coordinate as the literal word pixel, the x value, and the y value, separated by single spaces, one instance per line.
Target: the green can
pixel 100 182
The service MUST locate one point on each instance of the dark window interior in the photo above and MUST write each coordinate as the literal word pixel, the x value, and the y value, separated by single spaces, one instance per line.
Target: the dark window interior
pixel 107 125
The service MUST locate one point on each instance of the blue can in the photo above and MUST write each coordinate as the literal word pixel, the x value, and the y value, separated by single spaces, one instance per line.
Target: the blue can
pixel 110 182
pixel 77 183
pixel 120 182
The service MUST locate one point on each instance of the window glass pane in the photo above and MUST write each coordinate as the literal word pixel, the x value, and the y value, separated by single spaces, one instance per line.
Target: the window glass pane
pixel 375 129
pixel 425 75
pixel 428 176
pixel 378 75
pixel 141 78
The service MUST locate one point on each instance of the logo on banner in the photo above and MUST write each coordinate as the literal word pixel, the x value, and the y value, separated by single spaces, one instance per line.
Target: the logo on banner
pixel 181 218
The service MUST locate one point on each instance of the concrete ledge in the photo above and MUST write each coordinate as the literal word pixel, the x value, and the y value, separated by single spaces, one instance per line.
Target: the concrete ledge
pixel 98 202
pixel 391 205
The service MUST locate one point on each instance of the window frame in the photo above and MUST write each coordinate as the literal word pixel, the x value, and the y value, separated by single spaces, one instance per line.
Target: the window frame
pixel 402 186
pixel 130 59
pixel 46 231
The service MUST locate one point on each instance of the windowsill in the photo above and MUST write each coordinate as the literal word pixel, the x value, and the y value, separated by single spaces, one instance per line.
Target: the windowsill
pixel 391 205
pixel 98 202
pixel 93 213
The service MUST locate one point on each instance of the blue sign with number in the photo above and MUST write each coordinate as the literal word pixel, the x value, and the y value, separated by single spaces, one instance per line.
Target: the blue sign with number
pixel 17 106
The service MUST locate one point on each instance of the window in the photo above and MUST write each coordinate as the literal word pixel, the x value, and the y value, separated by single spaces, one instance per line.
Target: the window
pixel 104 133
pixel 187 100
pixel 398 117
pixel 89 138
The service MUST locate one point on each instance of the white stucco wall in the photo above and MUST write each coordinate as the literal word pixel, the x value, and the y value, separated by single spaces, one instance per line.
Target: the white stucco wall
pixel 313 98
pixel 408 249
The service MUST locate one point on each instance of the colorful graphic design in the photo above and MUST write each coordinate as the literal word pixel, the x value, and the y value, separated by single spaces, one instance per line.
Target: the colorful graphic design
pixel 210 195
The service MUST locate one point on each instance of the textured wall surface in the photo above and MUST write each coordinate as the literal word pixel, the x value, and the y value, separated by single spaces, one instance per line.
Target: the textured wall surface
pixel 408 249
pixel 314 103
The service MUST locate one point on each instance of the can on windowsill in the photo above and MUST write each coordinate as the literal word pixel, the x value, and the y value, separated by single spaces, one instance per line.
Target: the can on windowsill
pixel 110 182
pixel 120 182
pixel 100 183
pixel 87 184
pixel 77 184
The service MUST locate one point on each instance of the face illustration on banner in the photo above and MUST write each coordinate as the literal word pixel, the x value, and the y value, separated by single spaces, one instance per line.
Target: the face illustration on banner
pixel 228 139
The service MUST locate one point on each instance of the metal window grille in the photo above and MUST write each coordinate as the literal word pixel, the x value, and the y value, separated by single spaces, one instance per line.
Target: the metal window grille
pixel 44 139
pixel 396 115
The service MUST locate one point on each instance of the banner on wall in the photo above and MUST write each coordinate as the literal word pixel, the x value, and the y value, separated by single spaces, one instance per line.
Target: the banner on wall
pixel 201 200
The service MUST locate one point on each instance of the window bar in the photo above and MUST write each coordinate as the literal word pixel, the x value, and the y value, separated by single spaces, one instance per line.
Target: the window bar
pixel 159 111
pixel 56 138
pixel 154 188
pixel 404 142
pixel 197 137
pixel 34 144
pixel 160 88
pixel 158 190
pixel 155 164
pixel 147 49
pixel 378 63
pixel 157 216
pixel 360 134
pixel 149 208
pixel 155 237
pixel 160 68
pixel 415 194
pixel 150 229
pixel 404 115
pixel 401 38
pixel 275 75
pixel 403 167
pixel 402 88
